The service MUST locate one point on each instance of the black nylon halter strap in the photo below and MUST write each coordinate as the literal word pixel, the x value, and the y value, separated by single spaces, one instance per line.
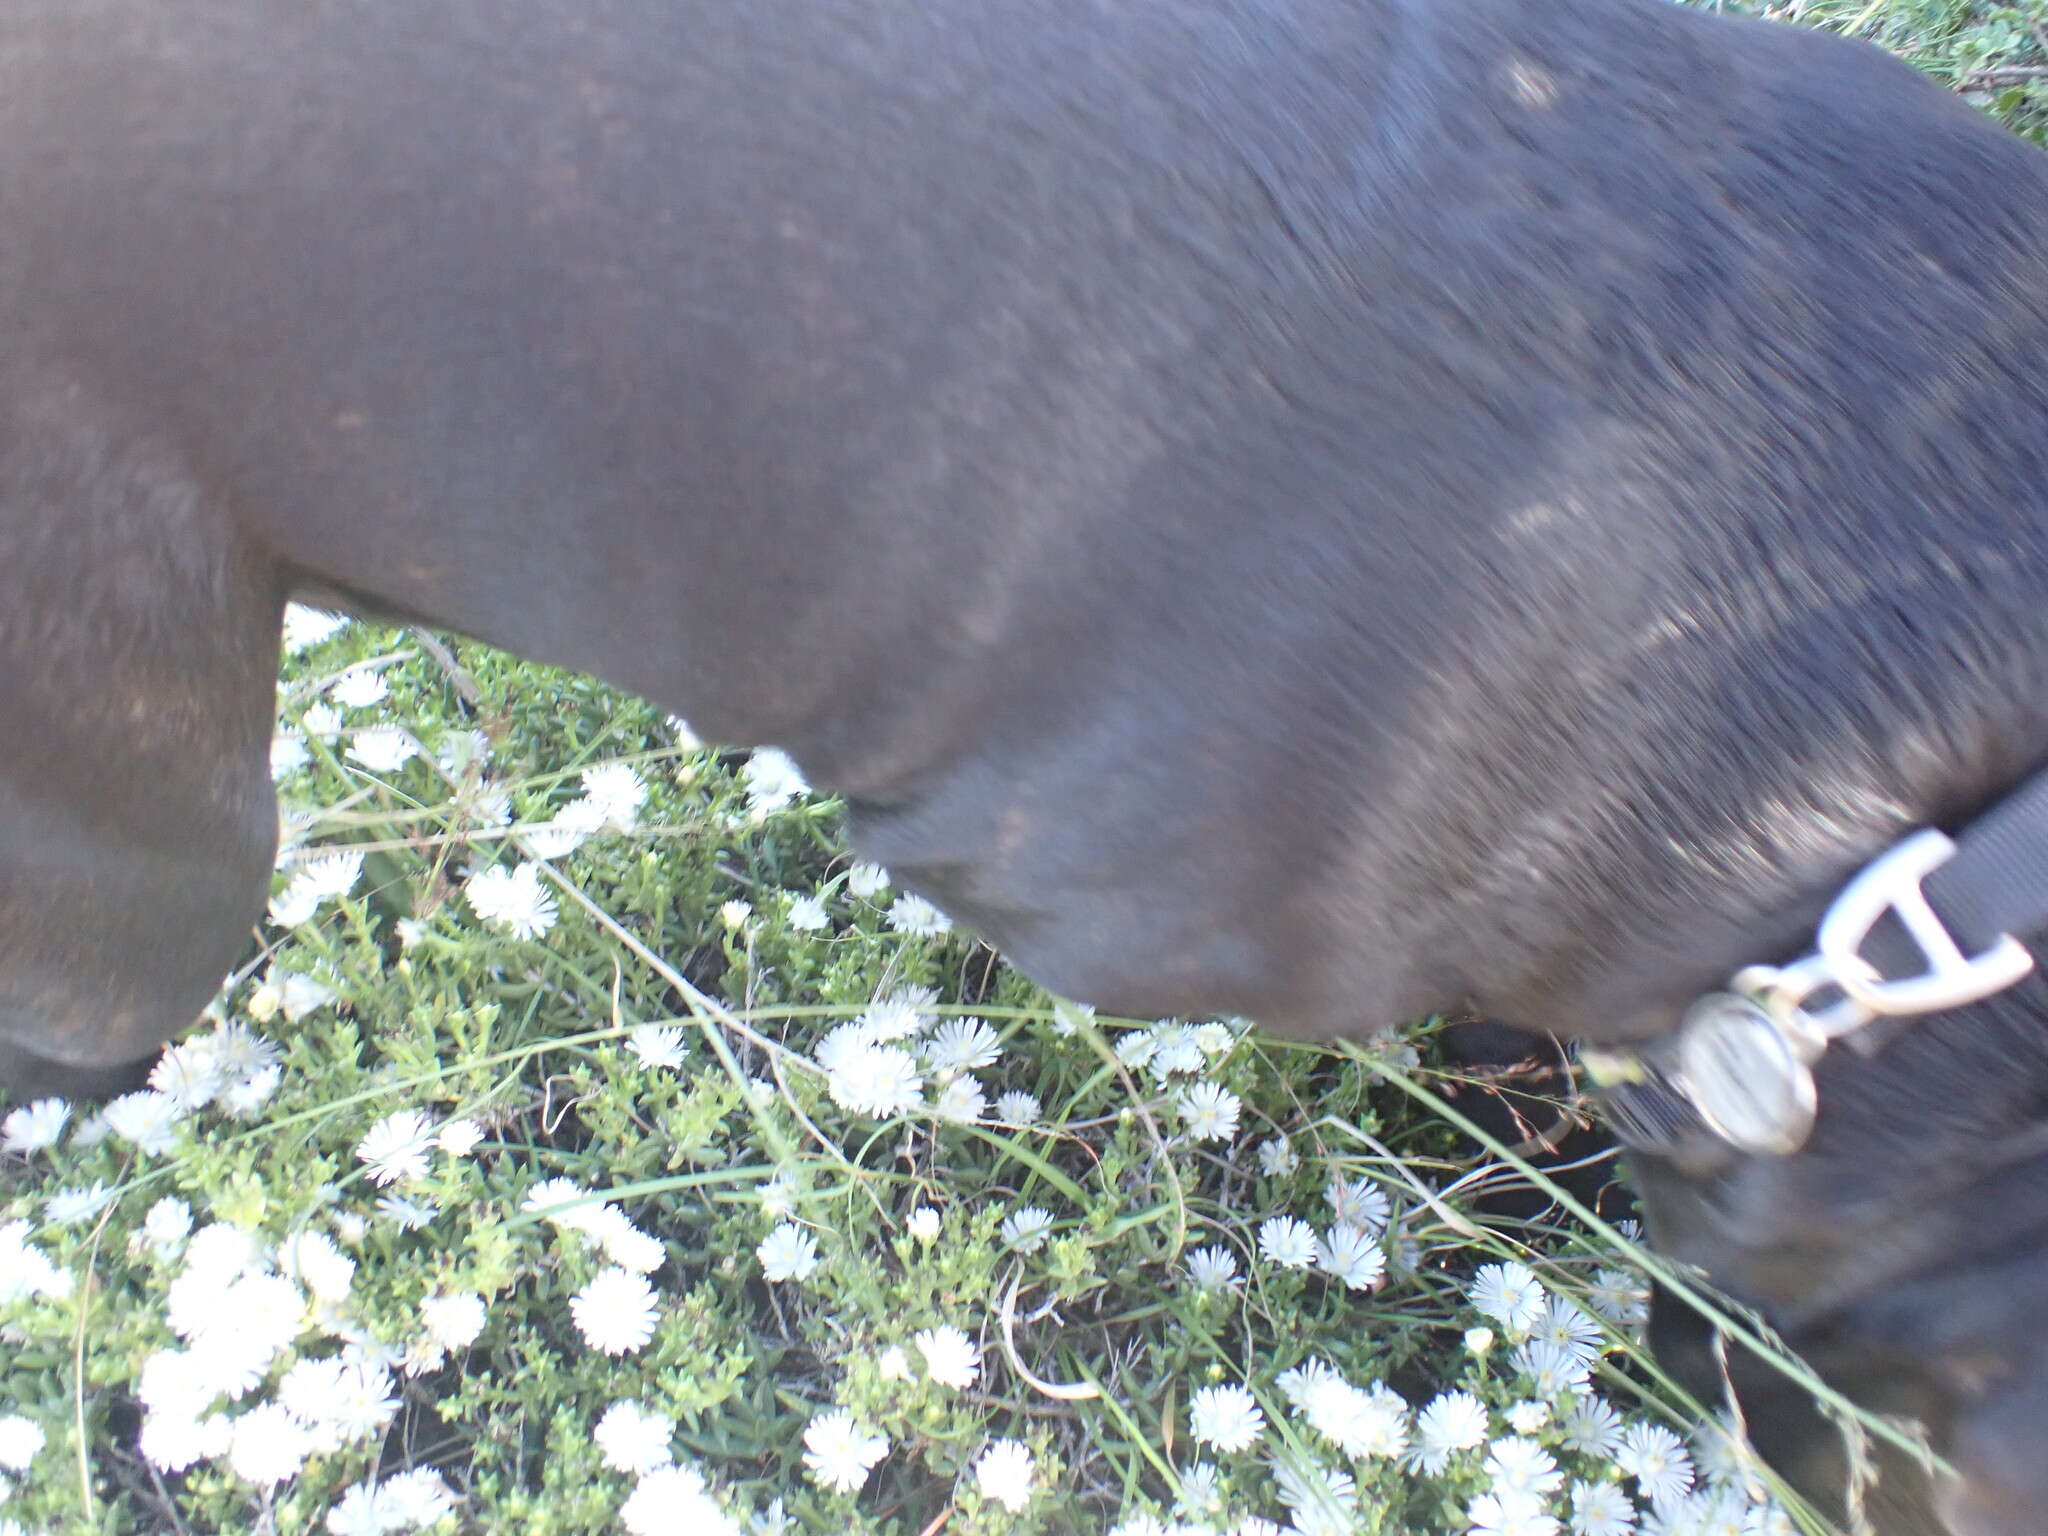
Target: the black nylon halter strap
pixel 1991 889
pixel 1997 881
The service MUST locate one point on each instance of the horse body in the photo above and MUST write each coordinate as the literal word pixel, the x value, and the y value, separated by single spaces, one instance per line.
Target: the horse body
pixel 1322 511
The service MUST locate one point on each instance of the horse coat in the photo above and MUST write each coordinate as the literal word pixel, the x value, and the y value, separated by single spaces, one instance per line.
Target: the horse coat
pixel 1331 510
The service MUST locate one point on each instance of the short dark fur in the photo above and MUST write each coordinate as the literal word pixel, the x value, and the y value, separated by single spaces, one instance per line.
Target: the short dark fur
pixel 1324 509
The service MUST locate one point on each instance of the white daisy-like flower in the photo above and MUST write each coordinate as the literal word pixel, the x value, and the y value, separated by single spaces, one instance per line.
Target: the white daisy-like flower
pixel 961 1101
pixel 1509 1514
pixel 454 1321
pixel 244 1098
pixel 839 1453
pixel 1226 1416
pixel 25 1270
pixel 461 753
pixel 1004 1473
pixel 148 1120
pixel 384 748
pixel 406 1214
pixel 296 995
pixel 1301 1382
pixel 1142 1523
pixel 1322 1499
pixel 312 1259
pixel 311 1390
pixel 167 1225
pixel 1357 1422
pixel 867 881
pixel 1209 1112
pixel 565 1203
pixel 1563 1324
pixel 1511 1295
pixel 362 1510
pixel 1277 1157
pixel 220 1252
pixel 360 688
pixel 615 1312
pixel 1135 1048
pixel 630 1439
pixel 1551 1368
pixel 1518 1465
pixel 365 1401
pixel 193 1072
pixel 778 1197
pixel 876 1080
pixel 34 1126
pixel 951 1358
pixel 238 1051
pixel 1478 1341
pixel 1526 1418
pixel 459 1138
pixel 419 1498
pixel 675 1501
pixel 1288 1241
pixel 734 914
pixel 923 1224
pixel 288 755
pixel 1601 1509
pixel 174 1441
pixel 331 875
pixel 1213 1268
pixel 917 917
pixel 1658 1461
pixel 1359 1203
pixel 1721 1455
pixel 788 1253
pixel 961 1045
pixel 513 899
pixel 1450 1422
pixel 396 1147
pixel 1201 1489
pixel 1175 1050
pixel 178 1382
pixel 567 830
pixel 1620 1297
pixel 268 1446
pixel 1352 1255
pixel 659 1046
pixel 772 780
pixel 295 905
pixel 806 914
pixel 626 1245
pixel 1591 1427
pixel 305 626
pixel 618 791
pixel 70 1206
pixel 1018 1108
pixel 840 1044
pixel 20 1439
pixel 1069 1018
pixel 320 719
pixel 893 1363
pixel 1026 1230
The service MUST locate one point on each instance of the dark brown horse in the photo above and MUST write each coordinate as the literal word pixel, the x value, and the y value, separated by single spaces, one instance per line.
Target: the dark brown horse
pixel 1324 509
